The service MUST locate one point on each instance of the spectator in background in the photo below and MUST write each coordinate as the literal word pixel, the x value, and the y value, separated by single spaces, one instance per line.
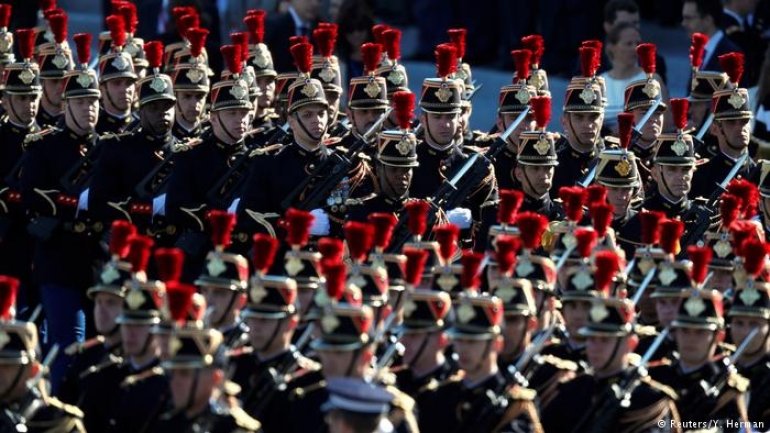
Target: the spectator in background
pixel 740 25
pixel 355 19
pixel 300 19
pixel 564 25
pixel 702 16
pixel 761 134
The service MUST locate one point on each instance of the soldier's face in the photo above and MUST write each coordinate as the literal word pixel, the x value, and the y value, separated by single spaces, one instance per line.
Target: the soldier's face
pixel 584 126
pixel 309 123
pixel 698 113
pixel 601 352
pixel 674 181
pixel 652 129
pixel 189 105
pixel 262 330
pixel 220 304
pixel 619 198
pixel 473 352
pixel 134 339
pixel 741 327
pixel 504 120
pixel 692 21
pixel 21 109
pixel 235 122
pixel 733 134
pixel 157 117
pixel 335 363
pixel 720 280
pixel 394 181
pixel 515 333
pixel 666 309
pixel 575 316
pixel 441 128
pixel 183 380
pixel 83 112
pixel 333 98
pixel 52 90
pixel 420 345
pixel 363 119
pixel 118 93
pixel 536 180
pixel 107 308
pixel 695 345
pixel 266 87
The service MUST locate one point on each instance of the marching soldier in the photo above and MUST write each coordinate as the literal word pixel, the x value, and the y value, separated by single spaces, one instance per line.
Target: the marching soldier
pixel 261 60
pixel 394 73
pixel 117 79
pixel 614 397
pixel 25 403
pixel 357 406
pixel 731 126
pixel 191 88
pixel 764 199
pixel 125 160
pixel 367 100
pixel 326 69
pixel 55 61
pixel 702 88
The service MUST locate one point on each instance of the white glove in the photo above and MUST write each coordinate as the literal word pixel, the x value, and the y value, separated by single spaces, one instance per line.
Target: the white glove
pixel 320 225
pixel 461 217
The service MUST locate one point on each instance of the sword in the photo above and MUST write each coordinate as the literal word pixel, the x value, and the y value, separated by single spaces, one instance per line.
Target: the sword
pixel 642 287
pixel 705 126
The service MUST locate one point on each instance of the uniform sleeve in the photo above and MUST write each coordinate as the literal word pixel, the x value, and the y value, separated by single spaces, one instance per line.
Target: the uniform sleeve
pixel 34 176
pixel 181 192
pixel 254 206
pixel 105 184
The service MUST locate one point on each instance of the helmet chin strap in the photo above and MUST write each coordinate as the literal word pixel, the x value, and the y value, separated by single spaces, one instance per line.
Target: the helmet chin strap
pixel 230 136
pixel 438 144
pixel 180 113
pixel 612 356
pixel 727 139
pixel 353 361
pixel 304 129
pixel 762 347
pixel 573 134
pixel 529 183
pixel 668 189
pixel 217 323
pixel 193 390
pixel 74 119
pixel 273 336
pixel 421 349
pixel 483 357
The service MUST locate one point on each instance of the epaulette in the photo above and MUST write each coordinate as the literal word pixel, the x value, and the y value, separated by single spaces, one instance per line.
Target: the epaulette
pixel 298 393
pixel 81 346
pixel 135 378
pixel 561 364
pixel 738 382
pixel 611 142
pixel 665 389
pixel 307 364
pixel 186 145
pixel 243 420
pixel 400 399
pixel 659 362
pixel 37 136
pixel 387 378
pixel 269 150
pixel 231 389
pixel 110 361
pixel 726 347
pixel 646 331
pixel 634 359
pixel 458 376
pixel 521 393
pixel 239 351
pixel 68 409
pixel 432 385
pixel 474 149
pixel 114 135
pixel 484 137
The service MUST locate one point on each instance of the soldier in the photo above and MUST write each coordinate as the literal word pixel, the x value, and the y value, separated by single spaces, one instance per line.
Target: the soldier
pixel 732 117
pixel 55 61
pixel 582 118
pixel 742 25
pixel 357 406
pixel 261 60
pixel 614 397
pixel 707 389
pixel 107 296
pixel 536 163
pixel 702 88
pixel 117 79
pixel 196 376
pixel 764 199
pixel 125 160
pixel 478 398
pixel 191 87
pixel 25 403
pixel 62 256
pixel 326 69
pixel 270 363
pixel 513 100
pixel 367 100
pixel 396 79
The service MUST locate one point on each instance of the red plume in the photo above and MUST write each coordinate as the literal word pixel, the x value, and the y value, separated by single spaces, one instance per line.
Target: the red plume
pixel 646 54
pixel 153 51
pixel 754 253
pixel 25 40
pixel 573 198
pixel 679 108
pixel 732 64
pixel 5 15
pixel 446 236
pixel 392 43
pixel 303 57
pixel 128 11
pixel 378 31
pixel 417 216
pixel 265 247
pixel 536 45
pixel 541 105
pixel 232 57
pixel 359 237
pixel 670 232
pixel 586 241
pixel 58 24
pixel 470 276
pixel 697 49
pixel 255 22
pixel 749 195
pixel 197 38
pixel 531 228
pixel 46 5
pixel 457 37
pixel 334 273
pixel 9 287
pixel 729 209
pixel 510 202
pixel 294 40
pixel 139 252
pixel 601 216
pixel 650 221
pixel 242 40
pixel 83 43
pixel 383 224
pixel 597 46
pixel 625 128
pixel 522 59
pixel 446 60
pixel 607 266
pixel 179 11
pixel 169 262
pixel 588 63
pixel 330 249
pixel 325 39
pixel 180 301
pixel 298 223
pixel 119 233
pixel 332 26
pixel 403 103
pixel 371 55
pixel 700 258
pixel 742 231
pixel 506 248
pixel 415 265
pixel 117 27
pixel 596 193
pixel 187 22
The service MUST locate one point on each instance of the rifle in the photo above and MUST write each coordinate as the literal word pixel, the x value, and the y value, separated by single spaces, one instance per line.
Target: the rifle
pixel 454 191
pixel 29 405
pixel 79 175
pixel 702 214
pixel 329 173
pixel 698 137
pixel 636 133
pixel 155 182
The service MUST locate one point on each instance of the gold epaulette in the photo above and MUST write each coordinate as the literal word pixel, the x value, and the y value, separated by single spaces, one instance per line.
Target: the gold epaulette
pixel 665 389
pixel 244 421
pixel 521 393
pixel 37 136
pixel 80 346
pixel 304 391
pixel 64 407
pixel 135 378
pixel 114 135
pixel 269 150
pixel 308 365
pixel 726 347
pixel 186 145
pixel 634 359
pixel 387 377
pixel 659 362
pixel 645 331
pixel 400 399
pixel 611 142
pixel 561 364
pixel 231 389
pixel 738 382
